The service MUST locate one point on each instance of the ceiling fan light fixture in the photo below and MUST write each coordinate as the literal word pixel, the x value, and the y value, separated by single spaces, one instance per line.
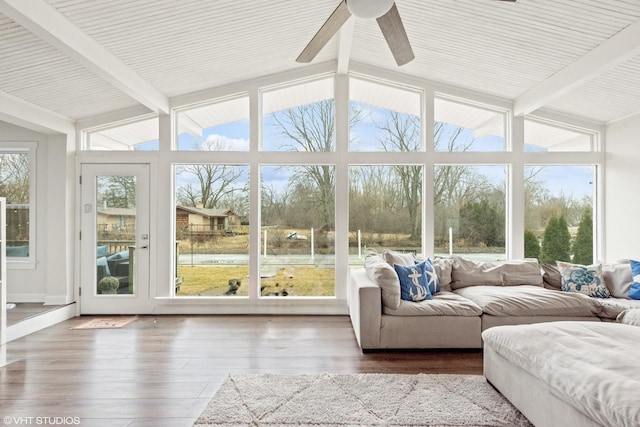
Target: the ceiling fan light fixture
pixel 369 9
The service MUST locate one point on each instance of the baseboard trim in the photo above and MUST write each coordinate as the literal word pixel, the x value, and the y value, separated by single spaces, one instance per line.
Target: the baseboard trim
pixel 40 321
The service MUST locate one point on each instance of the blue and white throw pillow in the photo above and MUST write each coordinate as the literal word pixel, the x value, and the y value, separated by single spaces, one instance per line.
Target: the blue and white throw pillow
pixel 414 285
pixel 583 279
pixel 634 291
pixel 432 277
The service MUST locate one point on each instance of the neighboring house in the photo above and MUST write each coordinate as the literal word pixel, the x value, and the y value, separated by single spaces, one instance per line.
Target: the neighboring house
pixel 116 219
pixel 204 220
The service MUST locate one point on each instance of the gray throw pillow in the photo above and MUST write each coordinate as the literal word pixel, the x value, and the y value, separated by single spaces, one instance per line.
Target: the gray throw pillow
pixel 551 277
pixel 393 257
pixel 383 274
pixel 443 268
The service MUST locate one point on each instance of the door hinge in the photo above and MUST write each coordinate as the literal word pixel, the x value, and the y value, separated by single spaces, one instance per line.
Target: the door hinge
pixel 80 291
pixel 80 179
pixel 80 233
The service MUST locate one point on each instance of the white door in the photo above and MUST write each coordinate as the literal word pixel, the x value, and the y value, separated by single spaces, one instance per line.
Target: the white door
pixel 115 241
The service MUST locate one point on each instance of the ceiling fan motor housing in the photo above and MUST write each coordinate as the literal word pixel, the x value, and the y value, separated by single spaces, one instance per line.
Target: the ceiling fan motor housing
pixel 369 9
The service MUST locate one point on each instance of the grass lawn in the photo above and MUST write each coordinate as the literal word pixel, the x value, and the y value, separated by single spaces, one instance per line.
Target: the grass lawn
pixel 286 280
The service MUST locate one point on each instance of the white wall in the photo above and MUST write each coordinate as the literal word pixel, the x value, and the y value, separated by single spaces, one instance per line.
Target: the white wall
pixel 50 279
pixel 622 200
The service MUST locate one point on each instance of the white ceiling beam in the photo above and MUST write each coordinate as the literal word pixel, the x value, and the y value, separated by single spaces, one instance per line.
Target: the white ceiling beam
pixel 345 41
pixel 19 112
pixel 115 118
pixel 620 47
pixel 47 23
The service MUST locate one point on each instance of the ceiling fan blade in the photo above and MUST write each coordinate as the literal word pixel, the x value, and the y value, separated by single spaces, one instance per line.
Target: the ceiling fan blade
pixel 324 34
pixel 393 31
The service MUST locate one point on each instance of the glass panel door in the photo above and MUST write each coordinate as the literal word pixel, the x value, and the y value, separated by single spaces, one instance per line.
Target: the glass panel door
pixel 115 238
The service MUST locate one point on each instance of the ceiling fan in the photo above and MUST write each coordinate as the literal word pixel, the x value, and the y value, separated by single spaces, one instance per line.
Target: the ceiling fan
pixel 384 11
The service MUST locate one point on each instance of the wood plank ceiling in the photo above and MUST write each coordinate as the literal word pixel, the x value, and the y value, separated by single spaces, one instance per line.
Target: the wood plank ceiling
pixel 502 49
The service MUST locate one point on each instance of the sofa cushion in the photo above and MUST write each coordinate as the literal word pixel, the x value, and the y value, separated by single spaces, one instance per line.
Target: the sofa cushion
pixel 414 281
pixel 102 262
pixel 382 274
pixel 617 278
pixel 630 317
pixel 583 279
pixel 530 301
pixel 443 304
pixel 18 251
pixel 551 277
pixel 501 273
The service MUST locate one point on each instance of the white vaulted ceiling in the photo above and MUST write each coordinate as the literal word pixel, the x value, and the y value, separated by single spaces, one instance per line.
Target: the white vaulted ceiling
pixel 77 59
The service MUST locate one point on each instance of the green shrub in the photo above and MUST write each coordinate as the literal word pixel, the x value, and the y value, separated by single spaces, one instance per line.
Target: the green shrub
pixel 556 243
pixel 583 245
pixel 531 245
pixel 108 283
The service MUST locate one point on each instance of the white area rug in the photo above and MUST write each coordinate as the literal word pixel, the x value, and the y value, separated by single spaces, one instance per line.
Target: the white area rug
pixel 359 400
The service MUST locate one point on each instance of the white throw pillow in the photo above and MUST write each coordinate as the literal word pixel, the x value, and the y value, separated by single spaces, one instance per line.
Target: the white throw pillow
pixel 618 278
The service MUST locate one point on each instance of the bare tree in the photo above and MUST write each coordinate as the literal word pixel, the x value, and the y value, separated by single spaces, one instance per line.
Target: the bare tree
pixel 311 128
pixel 273 204
pixel 401 132
pixel 214 181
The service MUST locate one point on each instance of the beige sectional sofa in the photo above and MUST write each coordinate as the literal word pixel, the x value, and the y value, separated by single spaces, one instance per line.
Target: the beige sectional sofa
pixel 473 297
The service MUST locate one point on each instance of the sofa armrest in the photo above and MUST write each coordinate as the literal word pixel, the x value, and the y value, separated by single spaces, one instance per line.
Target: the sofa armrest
pixel 365 308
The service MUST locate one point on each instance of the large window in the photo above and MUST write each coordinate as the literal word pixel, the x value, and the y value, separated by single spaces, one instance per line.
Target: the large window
pixel 212 229
pixel 139 134
pixel 16 185
pixel 464 127
pixel 298 231
pixel 385 209
pixel 383 117
pixel 559 213
pixel 470 218
pixel 299 118
pixel 541 135
pixel 219 126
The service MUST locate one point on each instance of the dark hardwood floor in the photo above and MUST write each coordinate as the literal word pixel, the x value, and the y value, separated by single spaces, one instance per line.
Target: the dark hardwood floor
pixel 163 370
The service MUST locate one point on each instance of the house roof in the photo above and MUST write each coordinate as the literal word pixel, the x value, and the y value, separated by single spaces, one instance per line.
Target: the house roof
pixel 207 213
pixel 65 61
pixel 117 211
